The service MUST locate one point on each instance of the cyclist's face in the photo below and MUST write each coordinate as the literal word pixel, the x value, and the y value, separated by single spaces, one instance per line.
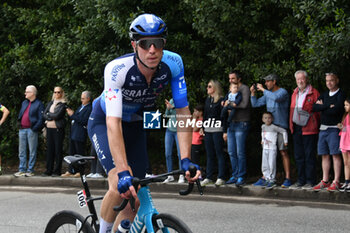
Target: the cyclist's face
pixel 150 50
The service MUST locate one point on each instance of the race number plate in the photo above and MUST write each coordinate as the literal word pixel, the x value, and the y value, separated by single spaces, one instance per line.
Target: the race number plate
pixel 81 198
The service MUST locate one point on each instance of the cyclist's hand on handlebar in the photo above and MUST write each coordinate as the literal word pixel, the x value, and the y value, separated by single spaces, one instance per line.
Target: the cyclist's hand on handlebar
pixel 125 186
pixel 185 164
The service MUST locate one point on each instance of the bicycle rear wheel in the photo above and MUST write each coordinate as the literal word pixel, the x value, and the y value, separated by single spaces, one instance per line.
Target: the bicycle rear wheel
pixel 67 221
pixel 170 222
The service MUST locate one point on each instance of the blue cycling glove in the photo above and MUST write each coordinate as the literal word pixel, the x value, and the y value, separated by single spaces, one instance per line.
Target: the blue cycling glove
pixel 125 181
pixel 186 163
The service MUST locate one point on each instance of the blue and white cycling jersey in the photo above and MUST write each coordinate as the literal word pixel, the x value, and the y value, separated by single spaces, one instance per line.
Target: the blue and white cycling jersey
pixel 126 92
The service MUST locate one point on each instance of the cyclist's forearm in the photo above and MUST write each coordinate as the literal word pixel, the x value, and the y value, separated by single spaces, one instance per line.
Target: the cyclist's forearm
pixel 116 143
pixel 184 134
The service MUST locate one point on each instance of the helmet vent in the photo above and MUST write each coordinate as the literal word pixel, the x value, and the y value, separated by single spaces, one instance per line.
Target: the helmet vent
pixel 140 28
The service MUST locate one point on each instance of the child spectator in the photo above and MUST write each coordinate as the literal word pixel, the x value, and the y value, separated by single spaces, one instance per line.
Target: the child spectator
pixel 345 145
pixel 269 133
pixel 197 138
pixel 234 99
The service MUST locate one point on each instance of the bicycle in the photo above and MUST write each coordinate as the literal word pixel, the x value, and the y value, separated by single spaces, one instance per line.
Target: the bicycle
pixel 147 218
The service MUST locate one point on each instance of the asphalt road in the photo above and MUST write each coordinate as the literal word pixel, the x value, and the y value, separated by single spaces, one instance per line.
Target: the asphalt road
pixel 29 212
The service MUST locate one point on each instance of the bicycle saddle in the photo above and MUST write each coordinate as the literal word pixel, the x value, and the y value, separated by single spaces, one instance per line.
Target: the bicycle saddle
pixel 77 159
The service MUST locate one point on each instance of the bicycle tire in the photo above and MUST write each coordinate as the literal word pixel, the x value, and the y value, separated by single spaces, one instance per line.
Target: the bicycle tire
pixel 171 222
pixel 67 221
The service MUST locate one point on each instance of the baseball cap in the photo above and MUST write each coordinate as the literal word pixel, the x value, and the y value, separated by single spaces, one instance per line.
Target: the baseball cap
pixel 271 77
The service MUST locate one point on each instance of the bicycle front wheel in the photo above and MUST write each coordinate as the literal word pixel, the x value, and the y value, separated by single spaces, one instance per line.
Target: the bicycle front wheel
pixel 168 223
pixel 68 222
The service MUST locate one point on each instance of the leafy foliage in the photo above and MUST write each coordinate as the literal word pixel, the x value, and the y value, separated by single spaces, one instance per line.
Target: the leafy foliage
pixel 68 42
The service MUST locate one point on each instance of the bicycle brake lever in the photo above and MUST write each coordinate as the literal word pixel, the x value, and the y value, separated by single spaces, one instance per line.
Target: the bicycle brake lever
pixel 132 203
pixel 121 206
pixel 199 186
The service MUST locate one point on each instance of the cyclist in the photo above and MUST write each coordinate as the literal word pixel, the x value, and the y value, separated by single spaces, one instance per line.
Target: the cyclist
pixel 131 84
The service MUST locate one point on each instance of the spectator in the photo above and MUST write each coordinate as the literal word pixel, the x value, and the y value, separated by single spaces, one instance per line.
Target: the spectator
pixel 345 145
pixel 54 116
pixel 213 139
pixel 78 134
pixel 269 137
pixel 331 106
pixel 96 167
pixel 276 100
pixel 197 138
pixel 304 123
pixel 170 138
pixel 30 122
pixel 5 113
pixel 237 132
pixel 234 98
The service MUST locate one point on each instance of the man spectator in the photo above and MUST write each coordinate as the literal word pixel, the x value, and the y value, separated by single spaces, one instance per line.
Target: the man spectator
pixel 237 132
pixel 30 122
pixel 276 100
pixel 78 134
pixel 5 113
pixel 304 123
pixel 331 106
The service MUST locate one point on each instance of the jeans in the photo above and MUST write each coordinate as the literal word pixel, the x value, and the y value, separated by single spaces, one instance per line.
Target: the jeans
pixel 27 136
pixel 170 137
pixel 236 139
pixel 214 144
pixel 305 156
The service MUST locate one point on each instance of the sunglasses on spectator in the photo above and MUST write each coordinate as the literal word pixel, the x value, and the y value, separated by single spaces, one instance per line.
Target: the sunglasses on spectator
pixel 57 92
pixel 209 86
pixel 146 43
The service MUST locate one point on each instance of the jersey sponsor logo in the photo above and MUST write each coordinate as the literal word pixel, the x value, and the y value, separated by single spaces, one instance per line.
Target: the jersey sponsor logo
pixel 157 79
pixel 177 60
pixel 116 70
pixel 111 94
pixel 131 94
pixel 151 120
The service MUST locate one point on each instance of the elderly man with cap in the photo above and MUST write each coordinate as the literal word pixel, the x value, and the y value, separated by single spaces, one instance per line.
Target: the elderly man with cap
pixel 276 100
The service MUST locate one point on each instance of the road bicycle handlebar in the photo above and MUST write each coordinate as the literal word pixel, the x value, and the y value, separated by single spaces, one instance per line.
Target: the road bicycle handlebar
pixel 144 182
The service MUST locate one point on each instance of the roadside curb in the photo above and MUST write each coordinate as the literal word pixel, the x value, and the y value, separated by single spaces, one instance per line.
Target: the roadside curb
pixel 58 184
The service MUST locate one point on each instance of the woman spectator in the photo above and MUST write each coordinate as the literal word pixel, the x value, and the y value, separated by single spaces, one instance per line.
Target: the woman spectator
pixel 213 136
pixel 54 116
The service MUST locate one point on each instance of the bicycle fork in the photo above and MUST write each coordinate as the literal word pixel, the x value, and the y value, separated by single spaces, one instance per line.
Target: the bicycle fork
pixel 145 213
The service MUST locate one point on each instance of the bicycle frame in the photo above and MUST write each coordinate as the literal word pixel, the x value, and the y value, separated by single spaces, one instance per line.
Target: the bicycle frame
pixel 145 213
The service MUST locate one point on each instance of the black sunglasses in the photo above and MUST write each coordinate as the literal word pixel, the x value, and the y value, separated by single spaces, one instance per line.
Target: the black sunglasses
pixel 146 43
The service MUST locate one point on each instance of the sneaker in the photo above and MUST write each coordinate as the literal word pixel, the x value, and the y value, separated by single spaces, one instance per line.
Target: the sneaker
pixel 321 185
pixel 261 182
pixel 67 174
pixel 219 182
pixel 96 176
pixel 296 185
pixel 270 185
pixel 343 187
pixel 232 180
pixel 181 179
pixel 240 182
pixel 206 181
pixel 307 187
pixel 90 175
pixel 46 174
pixel 286 183
pixel 19 174
pixel 333 187
pixel 148 175
pixel 29 174
pixel 169 179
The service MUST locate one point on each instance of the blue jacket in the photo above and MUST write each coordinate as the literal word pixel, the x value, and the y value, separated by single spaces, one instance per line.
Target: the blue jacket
pixel 35 114
pixel 277 103
pixel 79 123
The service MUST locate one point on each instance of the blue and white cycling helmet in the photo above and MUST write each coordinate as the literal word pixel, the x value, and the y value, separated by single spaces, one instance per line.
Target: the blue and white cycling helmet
pixel 147 25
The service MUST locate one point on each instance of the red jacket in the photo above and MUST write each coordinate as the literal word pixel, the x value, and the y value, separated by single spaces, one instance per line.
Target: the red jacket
pixel 313 124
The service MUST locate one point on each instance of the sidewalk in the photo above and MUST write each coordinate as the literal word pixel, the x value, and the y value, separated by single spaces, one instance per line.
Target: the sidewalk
pixel 248 191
